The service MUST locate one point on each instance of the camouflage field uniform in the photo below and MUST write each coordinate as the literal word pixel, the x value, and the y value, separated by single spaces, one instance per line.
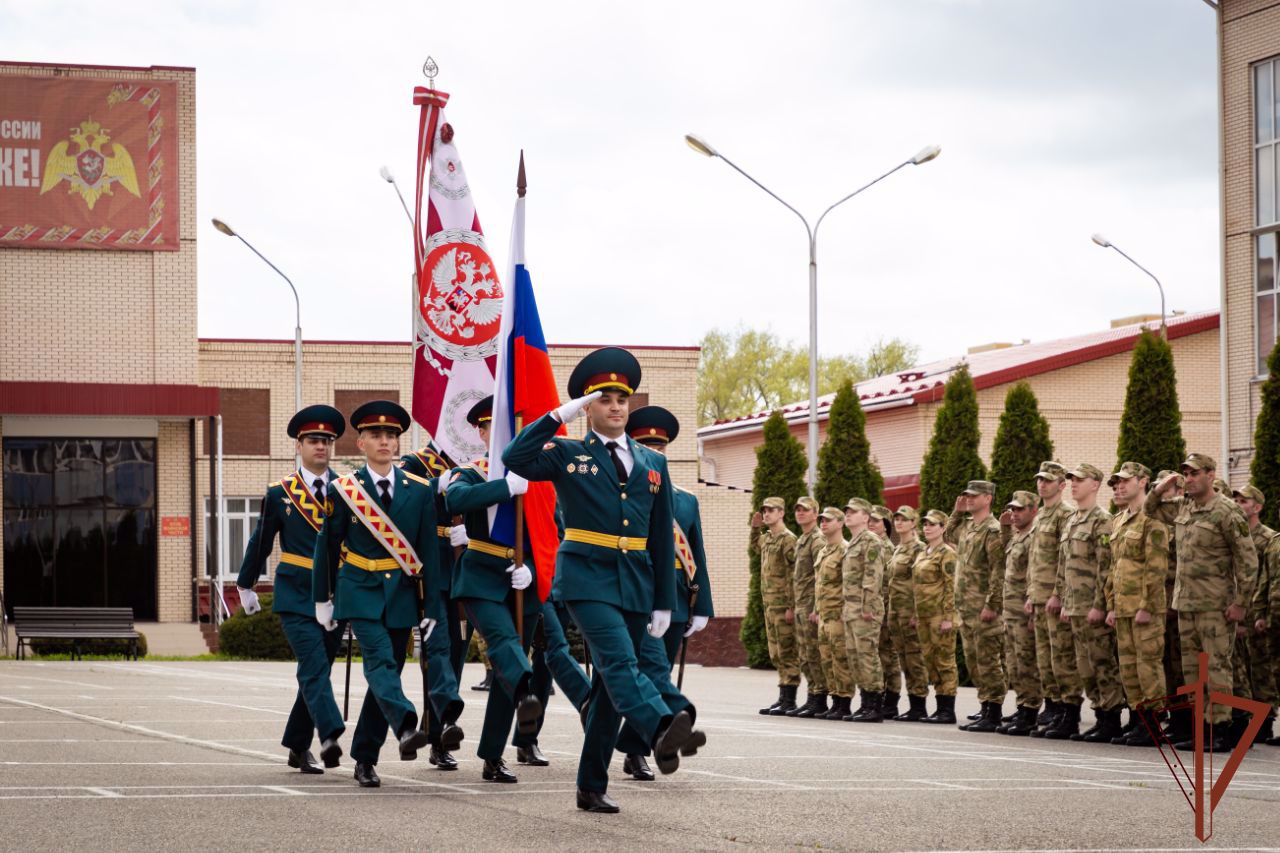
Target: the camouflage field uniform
pixel 1139 564
pixel 1271 560
pixel 979 584
pixel 1043 555
pixel 1253 675
pixel 862 571
pixel 1217 567
pixel 889 663
pixel 777 563
pixel 933 586
pixel 807 548
pixel 1019 631
pixel 1082 576
pixel 906 640
pixel 829 599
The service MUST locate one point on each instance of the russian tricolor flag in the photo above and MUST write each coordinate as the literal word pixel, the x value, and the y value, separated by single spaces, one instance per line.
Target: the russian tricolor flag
pixel 525 389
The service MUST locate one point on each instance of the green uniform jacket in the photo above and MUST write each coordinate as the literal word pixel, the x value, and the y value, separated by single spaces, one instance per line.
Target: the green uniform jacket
pixel 480 575
pixel 292 593
pixel 391 596
pixel 414 465
pixel 689 517
pixel 639 581
pixel 805 581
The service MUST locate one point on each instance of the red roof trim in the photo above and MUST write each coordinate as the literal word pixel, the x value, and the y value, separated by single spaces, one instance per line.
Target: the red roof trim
pixel 12 63
pixel 406 344
pixel 85 398
pixel 1070 358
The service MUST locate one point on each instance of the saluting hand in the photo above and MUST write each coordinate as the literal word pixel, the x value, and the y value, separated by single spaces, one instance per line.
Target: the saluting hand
pixel 570 411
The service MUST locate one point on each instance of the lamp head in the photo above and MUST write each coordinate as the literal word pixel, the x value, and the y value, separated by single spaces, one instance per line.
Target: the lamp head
pixel 1101 241
pixel 223 227
pixel 386 175
pixel 924 155
pixel 697 143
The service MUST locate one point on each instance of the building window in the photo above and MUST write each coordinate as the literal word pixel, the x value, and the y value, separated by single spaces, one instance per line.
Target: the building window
pixel 347 401
pixel 239 518
pixel 246 422
pixel 1266 166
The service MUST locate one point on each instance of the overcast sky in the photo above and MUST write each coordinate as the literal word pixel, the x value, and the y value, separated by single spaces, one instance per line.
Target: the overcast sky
pixel 1056 119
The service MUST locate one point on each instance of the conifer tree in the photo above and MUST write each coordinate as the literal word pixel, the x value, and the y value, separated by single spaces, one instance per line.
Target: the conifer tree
pixel 952 460
pixel 845 469
pixel 1022 443
pixel 1151 426
pixel 1264 471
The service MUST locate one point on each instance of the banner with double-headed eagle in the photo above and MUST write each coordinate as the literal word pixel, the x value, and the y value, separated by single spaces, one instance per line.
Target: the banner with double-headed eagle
pixel 459 299
pixel 88 163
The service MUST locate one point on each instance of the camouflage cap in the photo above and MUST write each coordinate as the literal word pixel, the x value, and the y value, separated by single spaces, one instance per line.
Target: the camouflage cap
pixel 907 512
pixel 1023 499
pixel 1251 492
pixel 1051 471
pixel 1199 462
pixel 807 502
pixel 881 512
pixel 1085 471
pixel 980 487
pixel 858 503
pixel 774 503
pixel 1165 472
pixel 1128 471
pixel 936 516
pixel 1221 486
pixel 833 513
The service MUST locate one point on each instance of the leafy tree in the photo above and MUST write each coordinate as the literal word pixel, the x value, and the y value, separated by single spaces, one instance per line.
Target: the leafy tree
pixel 746 371
pixel 845 469
pixel 952 460
pixel 780 470
pixel 1022 443
pixel 1264 471
pixel 1151 426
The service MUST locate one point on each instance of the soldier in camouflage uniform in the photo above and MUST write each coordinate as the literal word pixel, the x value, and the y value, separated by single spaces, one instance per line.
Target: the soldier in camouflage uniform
pixel 1135 597
pixel 979 594
pixel 1019 627
pixel 807 548
pixel 882 525
pixel 829 602
pixel 900 614
pixel 1271 623
pixel 1042 573
pixel 863 574
pixel 1253 670
pixel 776 546
pixel 1217 570
pixel 1178 727
pixel 933 580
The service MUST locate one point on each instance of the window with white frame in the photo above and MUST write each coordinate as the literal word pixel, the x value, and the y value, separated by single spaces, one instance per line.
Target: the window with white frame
pixel 239 518
pixel 1266 168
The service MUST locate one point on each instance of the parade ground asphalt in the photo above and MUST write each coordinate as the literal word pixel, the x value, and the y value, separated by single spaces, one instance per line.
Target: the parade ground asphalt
pixel 186 756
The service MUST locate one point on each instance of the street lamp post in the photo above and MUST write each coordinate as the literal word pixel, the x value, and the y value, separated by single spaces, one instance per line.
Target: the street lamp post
pixel 413 293
pixel 297 306
pixel 1107 244
pixel 924 155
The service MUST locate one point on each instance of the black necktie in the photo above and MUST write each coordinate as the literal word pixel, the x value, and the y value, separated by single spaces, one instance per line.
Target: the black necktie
pixel 612 447
pixel 385 487
pixel 318 487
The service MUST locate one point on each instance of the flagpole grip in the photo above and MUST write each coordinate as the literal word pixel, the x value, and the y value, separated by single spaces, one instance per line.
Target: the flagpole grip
pixel 519 550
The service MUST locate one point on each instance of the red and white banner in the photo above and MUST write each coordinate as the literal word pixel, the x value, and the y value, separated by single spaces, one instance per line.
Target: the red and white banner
pixel 459 298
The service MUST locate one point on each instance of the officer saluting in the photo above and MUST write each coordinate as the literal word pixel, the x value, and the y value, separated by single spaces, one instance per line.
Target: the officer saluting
pixel 370 557
pixel 615 568
pixel 295 509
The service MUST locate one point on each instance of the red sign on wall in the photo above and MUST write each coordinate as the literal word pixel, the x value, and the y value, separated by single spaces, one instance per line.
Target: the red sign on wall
pixel 175 525
pixel 88 164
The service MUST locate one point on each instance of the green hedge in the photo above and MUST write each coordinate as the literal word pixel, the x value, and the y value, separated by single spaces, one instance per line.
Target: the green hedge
pixel 257 637
pixel 103 647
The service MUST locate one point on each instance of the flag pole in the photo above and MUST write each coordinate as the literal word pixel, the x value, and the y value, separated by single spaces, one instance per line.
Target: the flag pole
pixel 521 186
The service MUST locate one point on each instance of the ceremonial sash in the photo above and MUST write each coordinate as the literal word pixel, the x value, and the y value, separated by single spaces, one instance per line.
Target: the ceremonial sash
pixel 305 502
pixel 432 461
pixel 375 520
pixel 684 553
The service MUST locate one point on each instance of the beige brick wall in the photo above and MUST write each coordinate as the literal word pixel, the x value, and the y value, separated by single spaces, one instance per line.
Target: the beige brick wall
pixel 1250 33
pixel 173 498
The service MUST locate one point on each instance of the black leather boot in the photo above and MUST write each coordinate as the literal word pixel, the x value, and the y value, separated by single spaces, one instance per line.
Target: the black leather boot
pixel 872 714
pixel 862 707
pixel 1067 724
pixel 776 703
pixel 1108 727
pixel 916 711
pixel 815 705
pixel 888 705
pixel 1024 722
pixel 945 713
pixel 840 708
pixel 990 719
pixel 1052 711
pixel 787 702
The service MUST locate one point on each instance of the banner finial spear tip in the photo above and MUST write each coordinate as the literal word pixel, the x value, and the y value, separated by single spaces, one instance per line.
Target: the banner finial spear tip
pixel 521 183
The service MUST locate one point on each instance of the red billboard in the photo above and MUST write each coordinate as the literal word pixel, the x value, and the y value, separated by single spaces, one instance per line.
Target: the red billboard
pixel 88 163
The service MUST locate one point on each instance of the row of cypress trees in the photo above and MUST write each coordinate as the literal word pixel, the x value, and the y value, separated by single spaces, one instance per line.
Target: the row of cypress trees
pixel 1150 433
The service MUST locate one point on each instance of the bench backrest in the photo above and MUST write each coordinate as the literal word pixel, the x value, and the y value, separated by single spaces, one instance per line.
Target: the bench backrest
pixel 53 618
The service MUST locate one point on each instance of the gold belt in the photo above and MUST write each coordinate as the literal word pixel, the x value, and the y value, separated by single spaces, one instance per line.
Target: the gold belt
pixel 606 540
pixel 295 559
pixel 442 531
pixel 491 549
pixel 383 564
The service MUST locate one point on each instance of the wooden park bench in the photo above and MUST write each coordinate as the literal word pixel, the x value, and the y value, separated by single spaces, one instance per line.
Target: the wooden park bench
pixel 74 624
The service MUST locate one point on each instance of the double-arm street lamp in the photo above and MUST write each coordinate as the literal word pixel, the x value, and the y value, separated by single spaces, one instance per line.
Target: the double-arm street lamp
pixel 924 155
pixel 1107 244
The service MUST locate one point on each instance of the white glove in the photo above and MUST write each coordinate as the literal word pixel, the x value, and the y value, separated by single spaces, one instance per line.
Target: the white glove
pixel 324 615
pixel 249 601
pixel 569 411
pixel 521 577
pixel 426 626
pixel 442 483
pixel 458 535
pixel 516 484
pixel 696 624
pixel 659 622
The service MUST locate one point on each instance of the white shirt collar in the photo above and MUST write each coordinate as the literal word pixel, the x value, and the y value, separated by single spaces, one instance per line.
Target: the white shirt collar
pixel 309 479
pixel 374 477
pixel 624 449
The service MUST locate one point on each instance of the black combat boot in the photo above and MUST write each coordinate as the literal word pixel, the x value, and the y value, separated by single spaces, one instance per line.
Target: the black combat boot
pixel 1049 716
pixel 1011 716
pixel 1132 723
pixel 872 714
pixel 1145 723
pixel 787 702
pixel 1089 732
pixel 767 711
pixel 945 713
pixel 990 719
pixel 888 705
pixel 839 707
pixel 916 712
pixel 1024 723
pixel 814 705
pixel 1214 739
pixel 1067 724
pixel 1108 727
pixel 1266 734
pixel 862 707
